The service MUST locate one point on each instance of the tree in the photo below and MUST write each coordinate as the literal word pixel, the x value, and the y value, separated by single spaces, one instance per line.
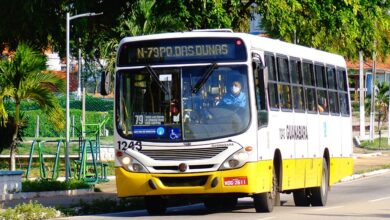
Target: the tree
pixel 23 78
pixel 345 27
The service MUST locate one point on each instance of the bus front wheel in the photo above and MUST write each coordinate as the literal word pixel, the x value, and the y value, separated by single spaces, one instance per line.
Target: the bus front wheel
pixel 265 202
pixel 155 205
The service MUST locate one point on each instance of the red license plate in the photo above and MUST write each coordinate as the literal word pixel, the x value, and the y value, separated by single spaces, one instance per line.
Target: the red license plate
pixel 235 181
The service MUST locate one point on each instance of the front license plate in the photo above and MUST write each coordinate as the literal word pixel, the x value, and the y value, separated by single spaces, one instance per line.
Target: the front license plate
pixel 235 181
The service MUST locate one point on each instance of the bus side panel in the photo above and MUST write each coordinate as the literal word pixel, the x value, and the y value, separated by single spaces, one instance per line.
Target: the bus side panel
pixel 313 154
pixel 300 146
pixel 340 167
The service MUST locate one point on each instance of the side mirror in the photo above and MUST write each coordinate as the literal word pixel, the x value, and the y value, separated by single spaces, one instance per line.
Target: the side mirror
pixel 105 83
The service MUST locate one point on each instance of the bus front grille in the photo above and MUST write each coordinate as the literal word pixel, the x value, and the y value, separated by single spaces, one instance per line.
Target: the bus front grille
pixel 184 154
pixel 184 181
pixel 191 167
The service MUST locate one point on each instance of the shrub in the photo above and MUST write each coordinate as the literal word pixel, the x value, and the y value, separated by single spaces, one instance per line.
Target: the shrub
pixel 50 185
pixel 29 211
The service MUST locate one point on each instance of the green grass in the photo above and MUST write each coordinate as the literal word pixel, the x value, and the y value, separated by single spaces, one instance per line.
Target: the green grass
pixel 377 144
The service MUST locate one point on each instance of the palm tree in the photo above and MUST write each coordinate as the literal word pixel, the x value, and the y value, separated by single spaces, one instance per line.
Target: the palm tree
pixel 23 78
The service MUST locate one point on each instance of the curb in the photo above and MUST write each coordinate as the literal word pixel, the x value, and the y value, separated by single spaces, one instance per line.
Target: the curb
pixel 360 176
pixel 45 194
pixel 374 154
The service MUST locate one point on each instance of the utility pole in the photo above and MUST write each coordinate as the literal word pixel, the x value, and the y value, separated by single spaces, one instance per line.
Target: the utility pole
pixel 373 95
pixel 361 96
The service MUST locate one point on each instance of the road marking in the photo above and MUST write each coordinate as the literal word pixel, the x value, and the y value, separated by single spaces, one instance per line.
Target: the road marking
pixel 266 218
pixel 328 208
pixel 380 199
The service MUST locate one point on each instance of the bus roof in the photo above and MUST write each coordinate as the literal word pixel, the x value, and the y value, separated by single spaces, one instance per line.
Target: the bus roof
pixel 255 43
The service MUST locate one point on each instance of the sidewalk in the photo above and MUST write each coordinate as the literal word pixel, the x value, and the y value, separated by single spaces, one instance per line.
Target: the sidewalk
pixel 364 162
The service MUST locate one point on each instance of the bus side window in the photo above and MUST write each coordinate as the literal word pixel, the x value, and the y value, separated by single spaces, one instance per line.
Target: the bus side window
pixel 272 85
pixel 311 100
pixel 343 92
pixel 261 102
pixel 332 85
pixel 297 89
pixel 309 82
pixel 284 87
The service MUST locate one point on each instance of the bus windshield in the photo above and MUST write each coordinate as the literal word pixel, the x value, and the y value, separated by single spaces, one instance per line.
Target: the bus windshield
pixel 182 104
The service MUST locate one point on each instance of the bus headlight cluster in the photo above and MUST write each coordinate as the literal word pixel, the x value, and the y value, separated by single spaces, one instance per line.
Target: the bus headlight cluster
pixel 132 165
pixel 236 160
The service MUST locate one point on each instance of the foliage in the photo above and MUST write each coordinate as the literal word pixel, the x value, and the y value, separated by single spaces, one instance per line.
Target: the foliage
pixel 46 127
pixel 22 77
pixel 29 211
pixel 50 185
pixel 344 27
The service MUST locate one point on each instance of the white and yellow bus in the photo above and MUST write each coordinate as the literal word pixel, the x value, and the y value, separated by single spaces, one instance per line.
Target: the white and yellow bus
pixel 286 128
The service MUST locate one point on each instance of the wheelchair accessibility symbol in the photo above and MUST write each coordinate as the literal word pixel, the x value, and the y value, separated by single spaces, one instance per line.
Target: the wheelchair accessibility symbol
pixel 174 133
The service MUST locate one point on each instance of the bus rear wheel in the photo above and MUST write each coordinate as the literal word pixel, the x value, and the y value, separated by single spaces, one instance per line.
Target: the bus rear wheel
pixel 155 205
pixel 319 195
pixel 301 197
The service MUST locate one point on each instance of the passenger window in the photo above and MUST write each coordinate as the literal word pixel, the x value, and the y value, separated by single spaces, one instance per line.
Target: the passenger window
pixel 285 96
pixel 299 98
pixel 341 78
pixel 344 104
pixel 333 103
pixel 283 69
pixel 308 74
pixel 270 62
pixel 320 76
pixel 273 95
pixel 295 69
pixel 322 100
pixel 331 78
pixel 311 100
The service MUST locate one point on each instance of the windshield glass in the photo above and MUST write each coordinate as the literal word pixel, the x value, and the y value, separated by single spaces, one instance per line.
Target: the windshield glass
pixel 182 104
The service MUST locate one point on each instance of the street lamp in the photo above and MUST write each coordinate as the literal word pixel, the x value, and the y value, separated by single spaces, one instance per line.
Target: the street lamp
pixel 68 19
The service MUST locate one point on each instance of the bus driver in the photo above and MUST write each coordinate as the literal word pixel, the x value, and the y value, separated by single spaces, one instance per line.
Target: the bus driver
pixel 235 97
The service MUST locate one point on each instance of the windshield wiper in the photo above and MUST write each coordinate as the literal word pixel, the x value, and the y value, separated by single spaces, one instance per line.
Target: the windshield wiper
pixel 204 78
pixel 156 79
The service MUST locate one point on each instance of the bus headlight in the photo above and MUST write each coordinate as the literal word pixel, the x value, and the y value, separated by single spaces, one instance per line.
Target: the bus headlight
pixel 236 160
pixel 132 165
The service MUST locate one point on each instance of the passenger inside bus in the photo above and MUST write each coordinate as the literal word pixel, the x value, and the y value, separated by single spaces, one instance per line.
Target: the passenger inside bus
pixel 322 104
pixel 235 97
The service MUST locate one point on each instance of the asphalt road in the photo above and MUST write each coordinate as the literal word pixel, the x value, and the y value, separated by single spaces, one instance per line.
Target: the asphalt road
pixel 366 198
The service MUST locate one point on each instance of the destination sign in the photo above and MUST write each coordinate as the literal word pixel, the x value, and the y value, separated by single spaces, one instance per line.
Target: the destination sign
pixel 182 50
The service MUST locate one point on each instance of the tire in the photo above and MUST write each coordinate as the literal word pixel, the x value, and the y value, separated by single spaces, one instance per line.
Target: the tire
pixel 155 205
pixel 319 195
pixel 265 202
pixel 301 197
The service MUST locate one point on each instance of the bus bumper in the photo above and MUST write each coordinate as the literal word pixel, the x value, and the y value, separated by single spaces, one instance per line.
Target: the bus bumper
pixel 249 179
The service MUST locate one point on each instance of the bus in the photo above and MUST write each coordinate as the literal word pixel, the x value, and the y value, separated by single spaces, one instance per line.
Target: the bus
pixel 213 116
